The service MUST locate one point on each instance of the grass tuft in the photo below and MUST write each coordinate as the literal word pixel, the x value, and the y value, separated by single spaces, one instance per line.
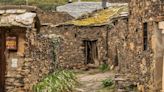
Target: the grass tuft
pixel 104 67
pixel 60 81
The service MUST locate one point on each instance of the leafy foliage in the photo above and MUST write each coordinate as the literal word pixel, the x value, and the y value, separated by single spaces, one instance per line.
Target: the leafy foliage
pixel 108 82
pixel 60 81
pixel 104 67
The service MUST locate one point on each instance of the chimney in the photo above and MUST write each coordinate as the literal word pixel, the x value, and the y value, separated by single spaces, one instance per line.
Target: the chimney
pixel 104 4
pixel 69 1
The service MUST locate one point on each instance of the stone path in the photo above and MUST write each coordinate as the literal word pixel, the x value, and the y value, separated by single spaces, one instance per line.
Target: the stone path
pixel 92 82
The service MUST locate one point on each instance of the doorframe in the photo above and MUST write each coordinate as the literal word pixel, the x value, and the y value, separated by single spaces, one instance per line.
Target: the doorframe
pixel 86 47
pixel 3 67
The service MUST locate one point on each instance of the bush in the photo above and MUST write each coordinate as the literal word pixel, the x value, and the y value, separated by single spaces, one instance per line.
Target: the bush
pixel 60 81
pixel 47 7
pixel 104 67
pixel 108 82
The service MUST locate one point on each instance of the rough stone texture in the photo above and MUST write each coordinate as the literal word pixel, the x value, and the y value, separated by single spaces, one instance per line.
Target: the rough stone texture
pixel 36 62
pixel 54 17
pixel 117 37
pixel 16 17
pixel 71 51
pixel 34 59
pixel 142 66
pixel 39 60
pixel 118 1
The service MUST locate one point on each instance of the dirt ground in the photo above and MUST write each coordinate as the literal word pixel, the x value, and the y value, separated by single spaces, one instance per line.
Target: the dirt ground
pixel 91 81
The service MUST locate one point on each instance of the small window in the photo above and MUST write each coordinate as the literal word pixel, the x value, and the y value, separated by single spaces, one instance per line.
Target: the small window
pixel 145 36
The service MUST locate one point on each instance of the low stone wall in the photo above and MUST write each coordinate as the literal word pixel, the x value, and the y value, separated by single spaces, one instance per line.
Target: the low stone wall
pixel 118 1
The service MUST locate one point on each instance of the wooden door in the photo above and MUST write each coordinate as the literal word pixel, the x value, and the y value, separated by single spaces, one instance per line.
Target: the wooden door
pixel 91 52
pixel 2 61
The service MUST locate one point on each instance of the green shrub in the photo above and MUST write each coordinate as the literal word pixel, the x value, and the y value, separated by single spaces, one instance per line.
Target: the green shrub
pixel 108 82
pixel 104 67
pixel 60 81
pixel 47 7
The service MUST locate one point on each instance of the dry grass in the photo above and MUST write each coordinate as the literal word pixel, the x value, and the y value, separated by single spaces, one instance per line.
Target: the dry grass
pixel 100 17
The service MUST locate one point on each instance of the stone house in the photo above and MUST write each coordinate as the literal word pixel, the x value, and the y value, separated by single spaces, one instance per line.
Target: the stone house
pixel 143 62
pixel 23 46
pixel 85 41
pixel 16 26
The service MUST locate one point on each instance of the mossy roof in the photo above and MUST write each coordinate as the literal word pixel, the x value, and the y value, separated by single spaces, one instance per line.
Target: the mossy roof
pixel 100 17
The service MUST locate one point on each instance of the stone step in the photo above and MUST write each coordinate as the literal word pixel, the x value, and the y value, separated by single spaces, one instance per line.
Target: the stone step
pixel 120 79
pixel 121 90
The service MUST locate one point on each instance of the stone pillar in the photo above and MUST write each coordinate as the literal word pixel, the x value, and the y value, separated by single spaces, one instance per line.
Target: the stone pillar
pixel 163 61
pixel 163 77
pixel 161 27
pixel 104 4
pixel 158 57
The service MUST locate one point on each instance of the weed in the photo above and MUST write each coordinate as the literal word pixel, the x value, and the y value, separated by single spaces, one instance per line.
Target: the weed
pixel 60 81
pixel 104 67
pixel 108 82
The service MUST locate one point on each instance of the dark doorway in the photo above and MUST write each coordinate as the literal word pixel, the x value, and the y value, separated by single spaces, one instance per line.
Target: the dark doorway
pixel 145 36
pixel 2 61
pixel 91 51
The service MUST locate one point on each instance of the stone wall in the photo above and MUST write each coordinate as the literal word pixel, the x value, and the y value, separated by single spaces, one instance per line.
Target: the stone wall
pixel 118 1
pixel 36 54
pixel 71 50
pixel 148 11
pixel 13 77
pixel 35 61
pixel 137 63
pixel 54 17
pixel 39 60
pixel 117 41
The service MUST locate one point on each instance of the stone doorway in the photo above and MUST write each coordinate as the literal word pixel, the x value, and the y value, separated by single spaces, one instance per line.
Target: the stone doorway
pixel 91 51
pixel 2 61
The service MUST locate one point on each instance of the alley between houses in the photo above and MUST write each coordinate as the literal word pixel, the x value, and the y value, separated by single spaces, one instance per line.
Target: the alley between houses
pixel 91 81
pixel 82 46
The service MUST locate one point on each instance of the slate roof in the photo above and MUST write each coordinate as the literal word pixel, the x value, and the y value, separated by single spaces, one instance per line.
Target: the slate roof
pixel 16 17
pixel 78 9
pixel 100 17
